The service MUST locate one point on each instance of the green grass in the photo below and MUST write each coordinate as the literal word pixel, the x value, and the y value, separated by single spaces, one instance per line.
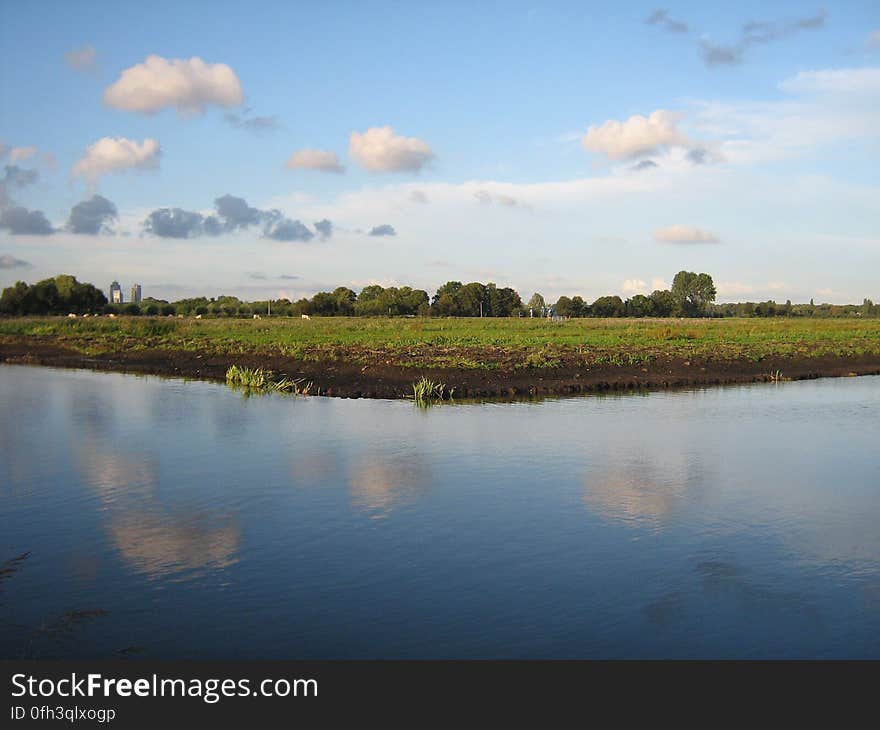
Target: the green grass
pixel 257 379
pixel 488 343
pixel 425 391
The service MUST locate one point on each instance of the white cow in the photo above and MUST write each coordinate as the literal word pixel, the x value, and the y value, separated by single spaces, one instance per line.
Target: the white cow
pixel 305 316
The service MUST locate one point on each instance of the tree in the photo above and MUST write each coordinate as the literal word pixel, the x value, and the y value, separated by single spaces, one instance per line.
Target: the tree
pixel 345 300
pixel 692 293
pixel 608 307
pixel 639 306
pixel 536 303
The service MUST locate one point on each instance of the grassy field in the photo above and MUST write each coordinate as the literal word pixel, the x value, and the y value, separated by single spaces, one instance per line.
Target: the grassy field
pixel 465 343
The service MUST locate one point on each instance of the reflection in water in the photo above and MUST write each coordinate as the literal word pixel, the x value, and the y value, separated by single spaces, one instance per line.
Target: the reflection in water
pixel 378 485
pixel 639 491
pixel 161 545
pixel 733 522
pixel 150 537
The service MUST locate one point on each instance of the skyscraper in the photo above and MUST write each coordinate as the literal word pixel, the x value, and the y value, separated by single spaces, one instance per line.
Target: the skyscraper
pixel 136 293
pixel 115 293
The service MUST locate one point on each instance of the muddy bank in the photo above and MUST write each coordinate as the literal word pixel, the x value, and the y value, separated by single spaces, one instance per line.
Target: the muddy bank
pixel 379 380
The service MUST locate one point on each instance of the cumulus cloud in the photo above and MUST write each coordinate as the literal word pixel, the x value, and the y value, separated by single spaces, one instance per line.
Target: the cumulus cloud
pixel 644 165
pixel 661 19
pixel 82 59
pixel 756 33
pixel 324 229
pixel 483 197
pixel 418 196
pixel 10 262
pixel 383 230
pixel 23 222
pixel 117 154
pixel 189 85
pixel 636 136
pixel 255 124
pixel 633 286
pixel 285 229
pixel 231 214
pixel 379 149
pixel 684 234
pixel 174 223
pixel 309 159
pixel 236 213
pixel 92 217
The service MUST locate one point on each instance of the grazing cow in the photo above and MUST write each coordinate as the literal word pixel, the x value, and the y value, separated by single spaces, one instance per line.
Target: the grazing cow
pixel 257 316
pixel 198 316
pixel 305 316
pixel 111 315
pixel 71 316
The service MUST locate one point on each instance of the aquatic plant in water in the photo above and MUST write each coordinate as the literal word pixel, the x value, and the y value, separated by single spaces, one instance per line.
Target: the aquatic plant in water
pixel 425 390
pixel 257 379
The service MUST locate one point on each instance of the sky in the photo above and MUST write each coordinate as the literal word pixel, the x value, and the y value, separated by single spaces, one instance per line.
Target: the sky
pixel 581 148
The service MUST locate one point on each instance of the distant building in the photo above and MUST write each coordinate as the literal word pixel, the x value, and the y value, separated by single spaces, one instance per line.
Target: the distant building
pixel 136 293
pixel 115 293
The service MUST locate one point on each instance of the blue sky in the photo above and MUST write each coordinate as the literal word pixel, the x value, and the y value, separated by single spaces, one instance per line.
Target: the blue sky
pixel 567 148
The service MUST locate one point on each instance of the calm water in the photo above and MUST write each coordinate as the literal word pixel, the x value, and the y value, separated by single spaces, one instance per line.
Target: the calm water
pixel 171 519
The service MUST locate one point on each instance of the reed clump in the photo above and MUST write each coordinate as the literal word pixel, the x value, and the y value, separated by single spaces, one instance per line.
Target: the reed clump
pixel 426 391
pixel 258 379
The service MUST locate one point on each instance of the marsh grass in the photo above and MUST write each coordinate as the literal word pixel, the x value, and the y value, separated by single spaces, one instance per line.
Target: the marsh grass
pixel 425 391
pixel 259 380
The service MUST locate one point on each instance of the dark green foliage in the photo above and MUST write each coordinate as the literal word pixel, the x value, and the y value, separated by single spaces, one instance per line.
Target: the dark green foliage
pixel 693 293
pixel 61 295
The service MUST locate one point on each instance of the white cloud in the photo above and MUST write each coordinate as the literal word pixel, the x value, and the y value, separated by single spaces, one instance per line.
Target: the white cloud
pixel 639 286
pixel 308 159
pixel 117 154
pixel 834 81
pixel 19 154
pixel 379 149
pixel 188 85
pixel 684 234
pixel 634 286
pixel 636 136
pixel 81 59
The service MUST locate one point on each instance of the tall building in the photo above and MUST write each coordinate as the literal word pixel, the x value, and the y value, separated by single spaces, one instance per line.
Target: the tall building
pixel 115 293
pixel 136 293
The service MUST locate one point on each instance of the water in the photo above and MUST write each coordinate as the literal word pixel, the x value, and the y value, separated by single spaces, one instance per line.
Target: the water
pixel 171 519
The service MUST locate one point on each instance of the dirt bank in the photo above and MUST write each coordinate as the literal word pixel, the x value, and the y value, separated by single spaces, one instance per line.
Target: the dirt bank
pixel 379 380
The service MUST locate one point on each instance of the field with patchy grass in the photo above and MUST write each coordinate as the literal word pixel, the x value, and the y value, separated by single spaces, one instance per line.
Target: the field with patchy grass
pixel 383 357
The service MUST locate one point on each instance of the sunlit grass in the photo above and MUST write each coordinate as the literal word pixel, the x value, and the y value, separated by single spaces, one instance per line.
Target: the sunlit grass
pixel 465 343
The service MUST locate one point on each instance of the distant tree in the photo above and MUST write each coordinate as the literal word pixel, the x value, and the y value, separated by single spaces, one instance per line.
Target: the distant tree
pixel 131 309
pixel 537 304
pixel 12 301
pixel 580 307
pixel 564 307
pixel 324 303
pixel 608 307
pixel 692 293
pixel 639 306
pixel 345 300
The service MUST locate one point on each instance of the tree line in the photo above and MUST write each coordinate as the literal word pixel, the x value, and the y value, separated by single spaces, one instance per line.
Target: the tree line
pixel 691 295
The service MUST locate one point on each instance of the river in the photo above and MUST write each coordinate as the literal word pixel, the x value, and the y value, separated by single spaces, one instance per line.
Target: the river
pixel 160 518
